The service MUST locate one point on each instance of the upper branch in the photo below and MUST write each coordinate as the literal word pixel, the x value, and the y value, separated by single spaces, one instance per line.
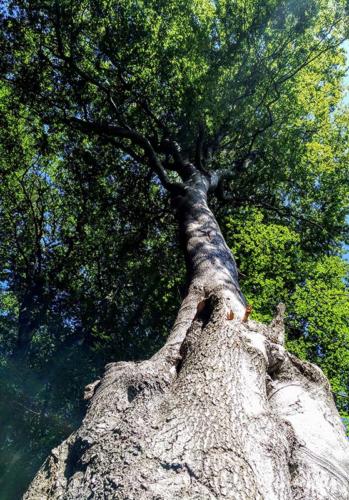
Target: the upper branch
pixel 136 139
pixel 219 176
pixel 169 146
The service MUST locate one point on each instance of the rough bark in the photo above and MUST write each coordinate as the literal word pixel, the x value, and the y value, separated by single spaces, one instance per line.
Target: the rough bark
pixel 221 411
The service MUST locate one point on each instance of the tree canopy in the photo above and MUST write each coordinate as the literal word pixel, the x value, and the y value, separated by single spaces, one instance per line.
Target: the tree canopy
pixel 103 106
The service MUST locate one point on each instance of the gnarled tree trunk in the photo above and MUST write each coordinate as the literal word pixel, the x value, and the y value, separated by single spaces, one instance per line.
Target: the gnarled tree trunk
pixel 221 411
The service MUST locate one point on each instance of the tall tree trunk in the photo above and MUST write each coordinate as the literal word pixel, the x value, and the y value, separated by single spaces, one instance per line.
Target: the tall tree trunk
pixel 221 411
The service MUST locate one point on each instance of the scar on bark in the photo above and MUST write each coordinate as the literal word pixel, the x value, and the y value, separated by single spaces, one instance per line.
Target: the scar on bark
pixel 202 311
pixel 200 307
pixel 247 313
pixel 230 315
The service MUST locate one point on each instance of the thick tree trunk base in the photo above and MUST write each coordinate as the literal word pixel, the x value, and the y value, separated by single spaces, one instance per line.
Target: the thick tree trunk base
pixel 230 415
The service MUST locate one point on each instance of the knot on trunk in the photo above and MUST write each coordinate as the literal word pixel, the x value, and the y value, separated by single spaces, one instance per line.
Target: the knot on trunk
pixel 90 389
pixel 276 356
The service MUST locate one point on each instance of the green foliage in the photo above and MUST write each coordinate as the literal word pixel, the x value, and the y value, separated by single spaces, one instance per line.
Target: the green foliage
pixel 269 260
pixel 320 312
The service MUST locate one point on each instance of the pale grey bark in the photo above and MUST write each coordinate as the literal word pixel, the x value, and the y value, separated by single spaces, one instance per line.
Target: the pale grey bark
pixel 221 411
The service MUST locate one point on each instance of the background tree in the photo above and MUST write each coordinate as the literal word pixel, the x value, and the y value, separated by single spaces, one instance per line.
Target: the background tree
pixel 132 94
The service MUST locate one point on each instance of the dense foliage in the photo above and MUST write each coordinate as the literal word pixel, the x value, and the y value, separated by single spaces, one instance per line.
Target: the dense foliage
pixel 90 267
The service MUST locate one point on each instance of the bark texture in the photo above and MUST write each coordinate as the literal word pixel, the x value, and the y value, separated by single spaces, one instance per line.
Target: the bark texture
pixel 221 411
pixel 235 416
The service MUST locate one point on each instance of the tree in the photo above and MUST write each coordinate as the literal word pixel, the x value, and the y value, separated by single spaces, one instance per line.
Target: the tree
pixel 202 100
